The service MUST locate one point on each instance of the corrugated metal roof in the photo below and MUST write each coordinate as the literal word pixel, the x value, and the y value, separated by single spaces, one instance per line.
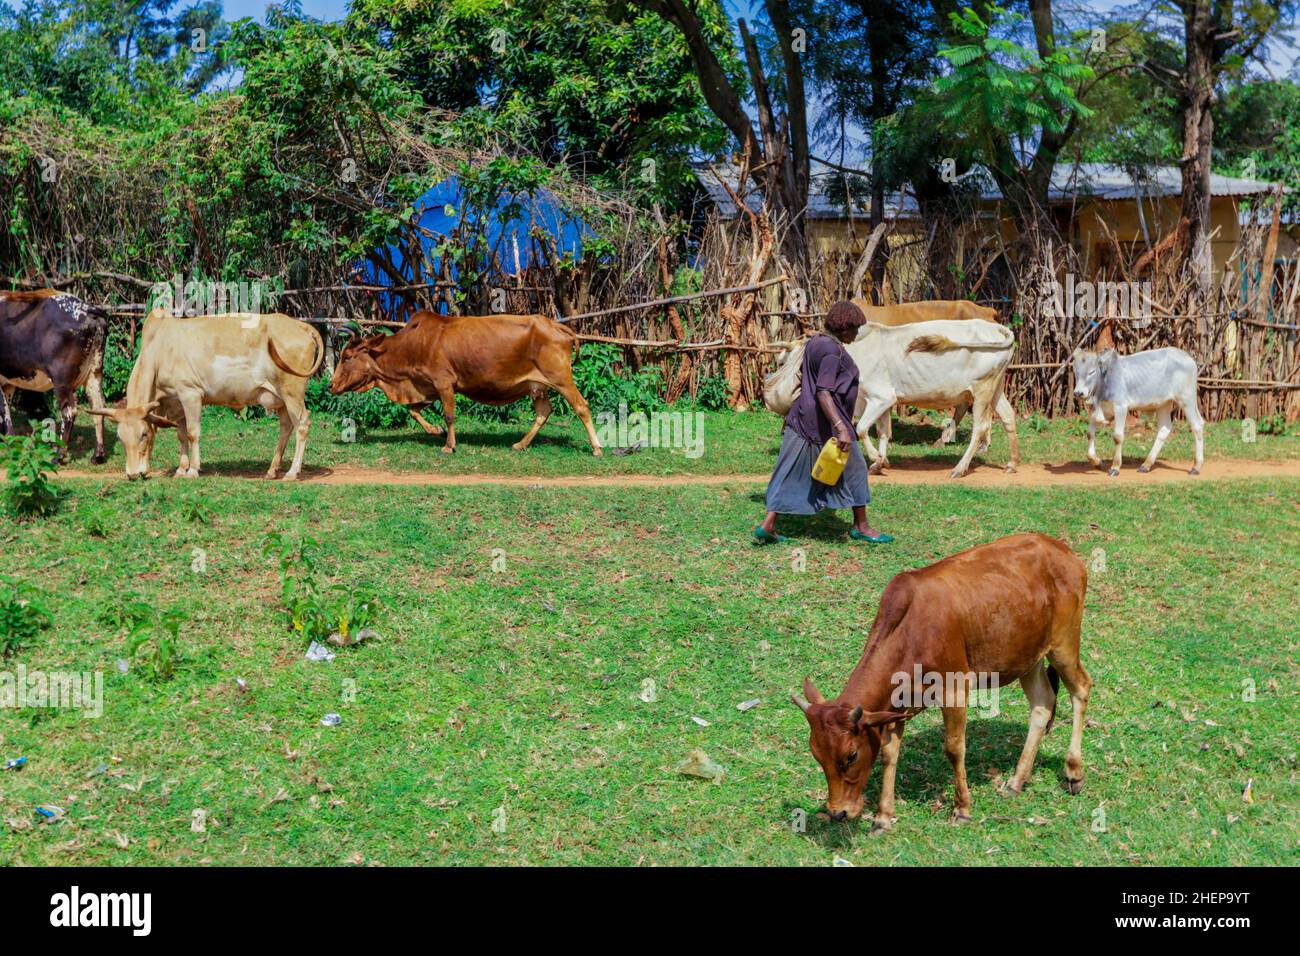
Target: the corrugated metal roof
pixel 1070 182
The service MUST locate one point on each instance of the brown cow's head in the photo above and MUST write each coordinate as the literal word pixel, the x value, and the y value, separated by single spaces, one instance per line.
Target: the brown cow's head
pixel 356 370
pixel 136 427
pixel 845 741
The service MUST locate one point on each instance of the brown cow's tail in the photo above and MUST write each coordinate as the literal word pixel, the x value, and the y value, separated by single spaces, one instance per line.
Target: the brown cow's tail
pixel 1054 679
pixel 285 367
pixel 577 342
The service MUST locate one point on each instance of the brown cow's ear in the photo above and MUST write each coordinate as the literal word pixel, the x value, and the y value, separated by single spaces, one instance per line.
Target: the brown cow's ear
pixel 811 692
pixel 879 718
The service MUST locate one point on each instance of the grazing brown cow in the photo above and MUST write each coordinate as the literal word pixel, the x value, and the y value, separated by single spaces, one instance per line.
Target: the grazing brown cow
pixel 990 613
pixel 493 359
pixel 52 340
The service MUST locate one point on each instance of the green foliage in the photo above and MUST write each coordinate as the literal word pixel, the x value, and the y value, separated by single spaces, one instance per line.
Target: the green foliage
pixel 998 87
pixel 310 609
pixel 152 635
pixel 22 615
pixel 196 512
pixel 28 459
pixel 370 409
pixel 119 358
pixel 605 385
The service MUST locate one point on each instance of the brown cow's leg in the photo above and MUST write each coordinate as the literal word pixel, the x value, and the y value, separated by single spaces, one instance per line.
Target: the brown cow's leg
pixel 1042 702
pixel 542 410
pixel 1079 684
pixel 954 748
pixel 447 394
pixel 569 390
pixel 428 428
pixel 890 745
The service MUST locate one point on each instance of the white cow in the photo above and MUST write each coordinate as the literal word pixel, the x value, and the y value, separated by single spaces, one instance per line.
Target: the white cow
pixel 1112 385
pixel 927 364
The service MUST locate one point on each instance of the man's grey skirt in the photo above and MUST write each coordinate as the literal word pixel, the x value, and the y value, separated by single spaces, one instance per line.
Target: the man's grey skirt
pixel 793 490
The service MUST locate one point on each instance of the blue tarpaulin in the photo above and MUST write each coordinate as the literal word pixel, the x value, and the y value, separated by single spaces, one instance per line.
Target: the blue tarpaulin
pixel 507 227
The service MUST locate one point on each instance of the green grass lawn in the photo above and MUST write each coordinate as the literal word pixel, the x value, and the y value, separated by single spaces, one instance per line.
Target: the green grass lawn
pixel 514 695
pixel 744 443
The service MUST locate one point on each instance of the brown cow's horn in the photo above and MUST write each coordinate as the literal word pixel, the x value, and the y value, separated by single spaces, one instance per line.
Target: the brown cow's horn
pixel 855 716
pixel 800 702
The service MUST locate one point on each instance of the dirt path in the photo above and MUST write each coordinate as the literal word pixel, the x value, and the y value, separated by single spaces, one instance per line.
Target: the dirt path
pixel 916 472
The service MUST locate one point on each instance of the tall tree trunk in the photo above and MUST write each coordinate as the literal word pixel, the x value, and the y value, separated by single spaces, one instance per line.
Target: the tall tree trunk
pixel 1198 139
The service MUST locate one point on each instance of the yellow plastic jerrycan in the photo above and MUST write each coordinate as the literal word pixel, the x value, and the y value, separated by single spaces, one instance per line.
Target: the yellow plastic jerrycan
pixel 830 463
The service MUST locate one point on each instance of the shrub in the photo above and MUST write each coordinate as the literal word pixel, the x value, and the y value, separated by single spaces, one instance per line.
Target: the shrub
pixel 153 636
pixel 21 615
pixel 28 459
pixel 314 612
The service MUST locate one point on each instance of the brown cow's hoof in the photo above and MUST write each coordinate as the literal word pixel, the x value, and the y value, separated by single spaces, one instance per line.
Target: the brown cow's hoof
pixel 878 829
pixel 1074 786
pixel 186 473
pixel 272 474
pixel 1011 469
pixel 1195 471
pixel 1114 472
pixel 1095 462
pixel 596 453
pixel 448 451
pixel 518 446
pixel 98 459
pixel 1142 470
pixel 958 472
pixel 1008 789
pixel 960 816
pixel 292 476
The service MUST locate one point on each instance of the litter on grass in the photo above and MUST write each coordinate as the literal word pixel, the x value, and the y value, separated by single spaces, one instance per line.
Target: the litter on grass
pixel 331 720
pixel 319 652
pixel 700 764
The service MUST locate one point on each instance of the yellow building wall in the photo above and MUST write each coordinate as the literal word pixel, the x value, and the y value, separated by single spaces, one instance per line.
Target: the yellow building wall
pixel 838 239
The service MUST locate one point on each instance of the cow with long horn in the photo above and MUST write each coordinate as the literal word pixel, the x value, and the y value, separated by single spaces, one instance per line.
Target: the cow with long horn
pixel 232 360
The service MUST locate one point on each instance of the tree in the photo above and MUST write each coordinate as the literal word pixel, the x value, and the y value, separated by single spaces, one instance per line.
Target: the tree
pixel 1219 37
pixel 779 155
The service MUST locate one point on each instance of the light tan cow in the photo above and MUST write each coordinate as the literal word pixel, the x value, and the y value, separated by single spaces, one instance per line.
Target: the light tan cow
pixel 930 310
pixel 232 360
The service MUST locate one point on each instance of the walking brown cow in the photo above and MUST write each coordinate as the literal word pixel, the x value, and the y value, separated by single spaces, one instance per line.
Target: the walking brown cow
pixel 995 611
pixel 493 359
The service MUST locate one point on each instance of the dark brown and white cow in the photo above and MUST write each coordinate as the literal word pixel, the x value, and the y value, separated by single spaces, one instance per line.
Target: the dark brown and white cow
pixel 52 340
